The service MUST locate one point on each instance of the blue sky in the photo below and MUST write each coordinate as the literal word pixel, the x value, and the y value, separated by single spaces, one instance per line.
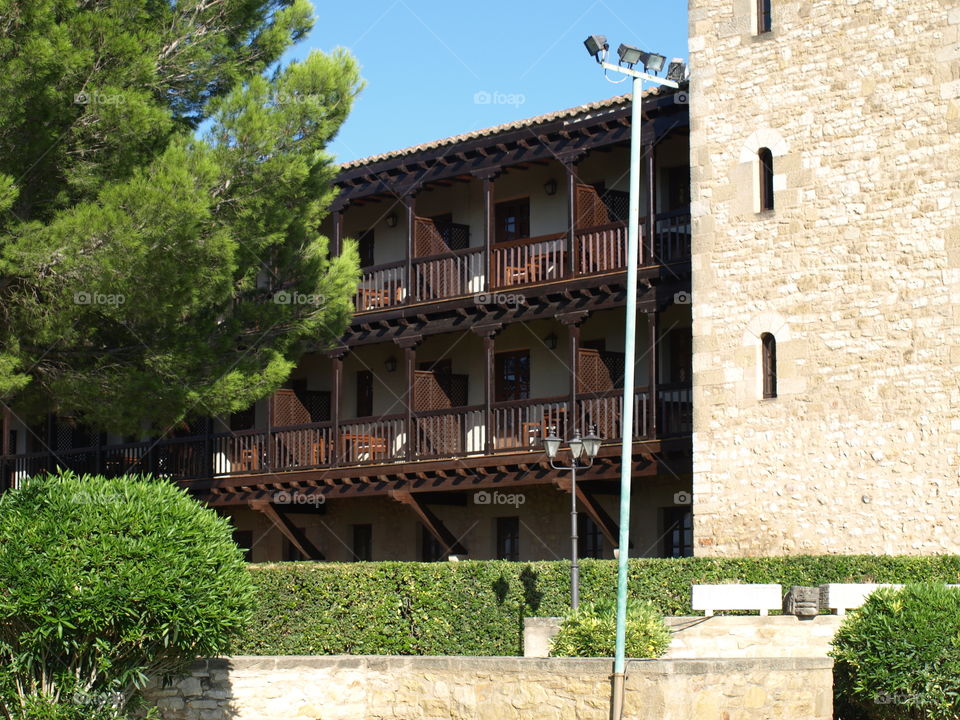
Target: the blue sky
pixel 436 68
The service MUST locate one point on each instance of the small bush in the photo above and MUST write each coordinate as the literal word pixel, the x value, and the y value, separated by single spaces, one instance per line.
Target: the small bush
pixel 105 583
pixel 898 656
pixel 591 631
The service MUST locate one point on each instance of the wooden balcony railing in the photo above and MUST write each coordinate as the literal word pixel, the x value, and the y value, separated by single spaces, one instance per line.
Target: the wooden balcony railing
pixel 528 261
pixel 442 272
pixel 452 274
pixel 454 432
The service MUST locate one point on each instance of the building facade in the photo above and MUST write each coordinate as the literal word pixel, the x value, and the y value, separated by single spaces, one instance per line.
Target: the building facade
pixel 489 312
pixel 826 292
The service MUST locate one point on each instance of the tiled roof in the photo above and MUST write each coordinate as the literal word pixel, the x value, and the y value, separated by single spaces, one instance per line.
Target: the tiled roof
pixel 575 112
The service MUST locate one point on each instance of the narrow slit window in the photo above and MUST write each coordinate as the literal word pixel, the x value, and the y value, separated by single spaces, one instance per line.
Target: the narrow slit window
pixel 764 16
pixel 766 179
pixel 769 350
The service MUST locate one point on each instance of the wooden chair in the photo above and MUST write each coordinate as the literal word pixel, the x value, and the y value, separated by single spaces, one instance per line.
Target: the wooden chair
pixel 249 459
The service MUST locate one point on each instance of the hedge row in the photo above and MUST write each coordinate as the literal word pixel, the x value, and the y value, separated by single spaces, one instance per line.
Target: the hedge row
pixel 477 608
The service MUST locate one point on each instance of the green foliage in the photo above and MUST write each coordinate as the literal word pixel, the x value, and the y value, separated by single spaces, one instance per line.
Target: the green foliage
pixel 104 582
pixel 590 631
pixel 140 265
pixel 898 656
pixel 477 607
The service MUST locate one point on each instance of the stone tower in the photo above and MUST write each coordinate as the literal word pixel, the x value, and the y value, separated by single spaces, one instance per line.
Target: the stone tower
pixel 825 154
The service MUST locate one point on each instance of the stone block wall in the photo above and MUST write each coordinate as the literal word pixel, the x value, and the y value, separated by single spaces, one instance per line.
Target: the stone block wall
pixel 856 272
pixel 491 688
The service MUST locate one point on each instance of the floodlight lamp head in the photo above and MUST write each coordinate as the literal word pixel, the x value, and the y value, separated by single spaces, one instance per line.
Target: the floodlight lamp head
pixel 677 70
pixel 653 62
pixel 629 55
pixel 597 46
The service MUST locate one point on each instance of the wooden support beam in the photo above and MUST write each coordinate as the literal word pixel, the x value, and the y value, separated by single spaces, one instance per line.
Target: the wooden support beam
pixel 290 531
pixel 433 524
pixel 607 525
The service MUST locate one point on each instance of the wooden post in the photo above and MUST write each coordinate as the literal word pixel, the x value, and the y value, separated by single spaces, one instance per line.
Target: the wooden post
pixel 568 166
pixel 410 366
pixel 268 455
pixel 488 229
pixel 6 432
pixel 573 320
pixel 654 400
pixel 410 205
pixel 208 446
pixel 487 332
pixel 336 392
pixel 336 244
pixel 651 244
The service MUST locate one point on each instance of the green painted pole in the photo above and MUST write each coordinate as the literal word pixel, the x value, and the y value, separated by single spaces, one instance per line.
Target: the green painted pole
pixel 630 359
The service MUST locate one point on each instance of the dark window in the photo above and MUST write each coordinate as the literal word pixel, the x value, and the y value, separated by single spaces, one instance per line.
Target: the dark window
pixel 512 375
pixel 678 187
pixel 430 548
pixel 769 351
pixel 512 220
pixel 766 179
pixel 677 532
pixel 365 248
pixel 764 16
pixel 363 542
pixel 243 420
pixel 291 553
pixel 508 538
pixel 679 340
pixel 244 540
pixel 589 537
pixel 364 393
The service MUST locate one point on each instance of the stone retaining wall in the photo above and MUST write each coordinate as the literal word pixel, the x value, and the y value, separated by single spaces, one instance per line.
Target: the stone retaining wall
pixel 496 688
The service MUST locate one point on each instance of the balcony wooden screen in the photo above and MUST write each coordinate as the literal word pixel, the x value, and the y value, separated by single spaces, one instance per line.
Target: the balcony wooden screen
pixel 589 208
pixel 428 393
pixel 427 239
pixel 592 373
pixel 286 409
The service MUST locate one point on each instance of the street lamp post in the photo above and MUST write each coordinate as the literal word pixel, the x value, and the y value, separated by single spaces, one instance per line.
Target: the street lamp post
pixel 629 56
pixel 590 444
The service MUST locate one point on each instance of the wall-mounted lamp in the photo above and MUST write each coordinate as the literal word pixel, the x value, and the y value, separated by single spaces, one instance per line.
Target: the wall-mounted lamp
pixel 390 363
pixel 550 187
pixel 551 341
pixel 392 220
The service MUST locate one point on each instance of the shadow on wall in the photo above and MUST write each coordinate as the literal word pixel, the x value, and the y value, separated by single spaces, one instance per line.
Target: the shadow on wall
pixel 532 596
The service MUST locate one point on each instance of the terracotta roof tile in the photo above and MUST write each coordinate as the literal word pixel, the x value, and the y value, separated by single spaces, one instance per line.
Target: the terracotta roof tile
pixel 574 112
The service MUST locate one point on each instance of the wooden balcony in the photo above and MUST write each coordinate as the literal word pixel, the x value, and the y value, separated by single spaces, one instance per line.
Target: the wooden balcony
pixel 438 272
pixel 436 434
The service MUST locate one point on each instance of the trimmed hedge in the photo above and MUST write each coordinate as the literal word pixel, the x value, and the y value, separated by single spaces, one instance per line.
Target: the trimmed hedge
pixel 478 607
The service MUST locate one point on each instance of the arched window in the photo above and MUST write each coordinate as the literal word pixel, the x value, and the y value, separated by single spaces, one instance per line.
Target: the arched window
pixel 766 178
pixel 764 16
pixel 769 353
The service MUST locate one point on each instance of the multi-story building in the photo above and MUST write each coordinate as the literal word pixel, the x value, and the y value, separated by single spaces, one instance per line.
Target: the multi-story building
pixel 826 276
pixel 490 310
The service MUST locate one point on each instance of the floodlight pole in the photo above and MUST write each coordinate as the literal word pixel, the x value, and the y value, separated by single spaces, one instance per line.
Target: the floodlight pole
pixel 630 359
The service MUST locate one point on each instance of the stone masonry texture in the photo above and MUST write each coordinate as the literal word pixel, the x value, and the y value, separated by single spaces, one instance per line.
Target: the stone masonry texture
pixel 856 272
pixel 459 688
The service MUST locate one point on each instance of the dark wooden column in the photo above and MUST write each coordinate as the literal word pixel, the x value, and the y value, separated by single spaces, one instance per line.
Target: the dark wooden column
pixel 336 242
pixel 410 204
pixel 571 184
pixel 409 345
pixel 268 455
pixel 651 245
pixel 488 332
pixel 5 426
pixel 336 393
pixel 573 321
pixel 652 322
pixel 487 184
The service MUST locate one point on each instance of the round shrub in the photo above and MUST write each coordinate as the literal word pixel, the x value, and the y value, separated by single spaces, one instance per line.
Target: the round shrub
pixel 898 656
pixel 590 631
pixel 106 583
